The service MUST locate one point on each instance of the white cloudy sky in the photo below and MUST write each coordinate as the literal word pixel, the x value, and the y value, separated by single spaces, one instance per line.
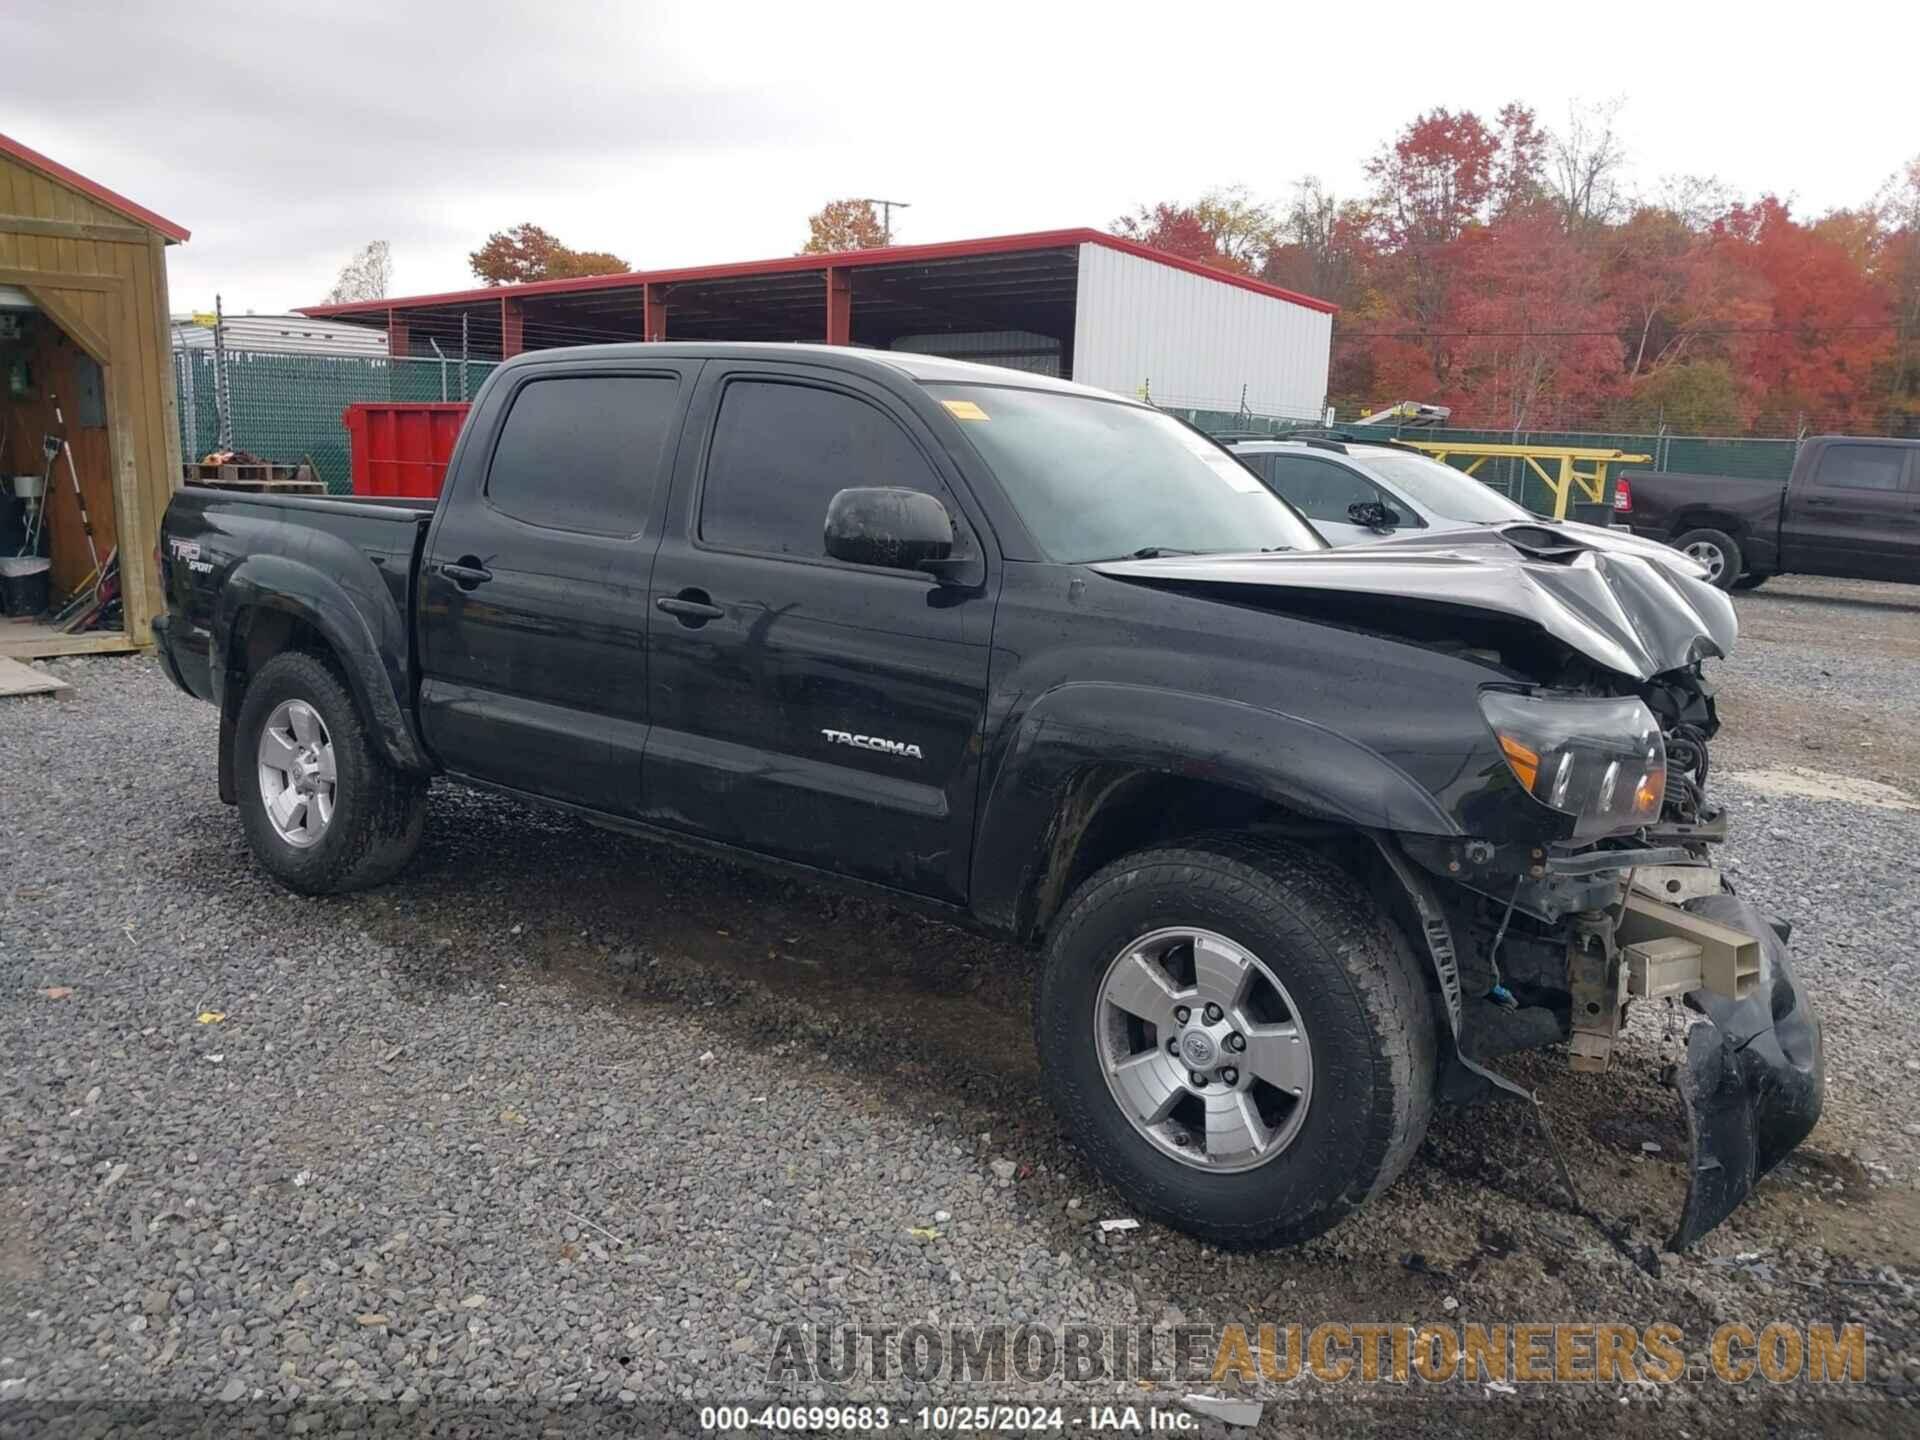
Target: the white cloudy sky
pixel 285 135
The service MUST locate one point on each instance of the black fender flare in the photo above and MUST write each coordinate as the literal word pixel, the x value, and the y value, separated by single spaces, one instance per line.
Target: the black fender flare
pixel 1297 763
pixel 371 650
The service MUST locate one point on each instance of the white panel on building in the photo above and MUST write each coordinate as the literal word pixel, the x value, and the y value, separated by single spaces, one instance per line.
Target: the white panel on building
pixel 1196 343
pixel 283 334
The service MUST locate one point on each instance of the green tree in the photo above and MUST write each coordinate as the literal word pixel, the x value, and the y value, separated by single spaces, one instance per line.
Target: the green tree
pixel 1700 396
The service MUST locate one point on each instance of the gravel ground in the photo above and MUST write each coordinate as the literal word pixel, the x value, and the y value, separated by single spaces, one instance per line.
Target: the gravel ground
pixel 567 1118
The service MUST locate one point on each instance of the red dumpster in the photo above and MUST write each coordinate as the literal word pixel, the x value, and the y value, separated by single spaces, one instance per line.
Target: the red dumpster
pixel 401 449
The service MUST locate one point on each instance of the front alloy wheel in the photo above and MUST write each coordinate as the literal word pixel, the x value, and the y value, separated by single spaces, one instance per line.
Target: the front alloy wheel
pixel 1204 1050
pixel 297 774
pixel 1230 1030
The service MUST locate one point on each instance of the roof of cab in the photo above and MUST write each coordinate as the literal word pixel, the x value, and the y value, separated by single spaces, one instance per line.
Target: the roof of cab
pixel 921 368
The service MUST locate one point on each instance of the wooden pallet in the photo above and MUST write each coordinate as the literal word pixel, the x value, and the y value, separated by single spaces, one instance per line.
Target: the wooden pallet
pixel 260 478
pixel 238 470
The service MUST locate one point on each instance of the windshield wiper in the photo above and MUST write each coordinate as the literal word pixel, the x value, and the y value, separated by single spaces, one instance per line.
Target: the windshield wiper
pixel 1154 552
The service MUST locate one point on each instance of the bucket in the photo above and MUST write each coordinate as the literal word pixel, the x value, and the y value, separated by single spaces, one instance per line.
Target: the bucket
pixel 28 487
pixel 23 584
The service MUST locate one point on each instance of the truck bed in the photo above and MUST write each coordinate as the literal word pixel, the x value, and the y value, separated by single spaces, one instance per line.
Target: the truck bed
pixel 217 541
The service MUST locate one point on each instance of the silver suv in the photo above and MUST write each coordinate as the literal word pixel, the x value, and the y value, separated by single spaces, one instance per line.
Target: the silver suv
pixel 1355 492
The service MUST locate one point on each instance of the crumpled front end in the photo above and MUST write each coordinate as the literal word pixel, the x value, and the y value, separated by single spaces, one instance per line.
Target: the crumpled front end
pixel 1554 905
pixel 1635 607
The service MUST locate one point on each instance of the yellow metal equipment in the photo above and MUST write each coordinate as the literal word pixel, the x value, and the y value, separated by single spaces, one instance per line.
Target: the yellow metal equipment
pixel 1558 466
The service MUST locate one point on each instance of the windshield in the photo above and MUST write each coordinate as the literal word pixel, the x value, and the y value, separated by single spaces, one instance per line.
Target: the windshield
pixel 1101 480
pixel 1444 491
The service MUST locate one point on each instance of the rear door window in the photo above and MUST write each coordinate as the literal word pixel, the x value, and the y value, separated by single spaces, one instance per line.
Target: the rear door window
pixel 782 451
pixel 1862 467
pixel 584 452
pixel 1321 490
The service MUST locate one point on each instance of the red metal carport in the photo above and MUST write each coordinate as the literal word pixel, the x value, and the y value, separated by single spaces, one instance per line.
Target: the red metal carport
pixel 1018 289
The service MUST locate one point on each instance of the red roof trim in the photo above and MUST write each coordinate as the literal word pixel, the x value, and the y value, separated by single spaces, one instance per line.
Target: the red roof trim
pixel 844 260
pixel 54 170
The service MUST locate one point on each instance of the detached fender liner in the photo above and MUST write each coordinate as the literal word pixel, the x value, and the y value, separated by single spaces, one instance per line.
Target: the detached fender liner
pixel 1754 1079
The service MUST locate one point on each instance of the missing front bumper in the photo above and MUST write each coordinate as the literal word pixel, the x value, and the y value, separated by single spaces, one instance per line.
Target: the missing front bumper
pixel 1753 1080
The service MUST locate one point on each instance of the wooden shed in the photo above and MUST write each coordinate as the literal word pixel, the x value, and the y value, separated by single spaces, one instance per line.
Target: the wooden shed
pixel 86 404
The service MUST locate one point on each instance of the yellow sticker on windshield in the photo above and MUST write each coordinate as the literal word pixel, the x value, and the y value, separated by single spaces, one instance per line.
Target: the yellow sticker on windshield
pixel 964 410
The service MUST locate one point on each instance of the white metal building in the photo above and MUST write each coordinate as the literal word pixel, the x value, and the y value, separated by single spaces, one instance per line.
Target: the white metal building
pixel 1195 341
pixel 280 334
pixel 1076 303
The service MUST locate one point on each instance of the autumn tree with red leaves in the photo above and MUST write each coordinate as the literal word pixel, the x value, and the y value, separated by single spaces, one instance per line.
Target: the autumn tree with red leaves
pixel 1224 228
pixel 527 252
pixel 1508 270
pixel 1831 326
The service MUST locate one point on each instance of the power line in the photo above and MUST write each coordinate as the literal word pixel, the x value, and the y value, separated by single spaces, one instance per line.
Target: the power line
pixel 887 207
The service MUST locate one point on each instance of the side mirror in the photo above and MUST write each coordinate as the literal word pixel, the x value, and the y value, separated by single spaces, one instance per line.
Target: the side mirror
pixel 895 528
pixel 1374 514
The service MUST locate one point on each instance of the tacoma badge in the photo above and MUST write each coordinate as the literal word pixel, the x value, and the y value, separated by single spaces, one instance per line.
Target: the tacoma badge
pixel 873 742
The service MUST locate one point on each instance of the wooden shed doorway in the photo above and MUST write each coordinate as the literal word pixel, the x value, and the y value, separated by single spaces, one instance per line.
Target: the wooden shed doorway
pixel 56 427
pixel 94 369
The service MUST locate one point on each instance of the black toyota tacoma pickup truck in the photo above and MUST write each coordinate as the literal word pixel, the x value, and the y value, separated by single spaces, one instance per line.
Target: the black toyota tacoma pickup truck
pixel 1306 836
pixel 1851 508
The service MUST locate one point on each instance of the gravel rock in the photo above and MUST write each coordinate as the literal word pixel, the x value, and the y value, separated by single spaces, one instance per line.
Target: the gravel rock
pixel 649 1222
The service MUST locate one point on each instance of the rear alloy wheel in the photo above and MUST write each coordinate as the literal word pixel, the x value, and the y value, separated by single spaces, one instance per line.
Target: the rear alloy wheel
pixel 322 810
pixel 1233 1034
pixel 297 773
pixel 1717 552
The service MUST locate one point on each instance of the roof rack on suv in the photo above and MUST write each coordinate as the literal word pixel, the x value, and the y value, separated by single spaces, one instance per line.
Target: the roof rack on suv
pixel 1320 437
pixel 1240 437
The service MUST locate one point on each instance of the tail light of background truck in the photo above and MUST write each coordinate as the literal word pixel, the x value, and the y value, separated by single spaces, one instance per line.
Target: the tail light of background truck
pixel 1623 496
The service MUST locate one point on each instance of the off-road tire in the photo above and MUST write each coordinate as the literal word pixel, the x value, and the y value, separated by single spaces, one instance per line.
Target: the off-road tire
pixel 379 812
pixel 1732 565
pixel 1365 1007
pixel 1751 582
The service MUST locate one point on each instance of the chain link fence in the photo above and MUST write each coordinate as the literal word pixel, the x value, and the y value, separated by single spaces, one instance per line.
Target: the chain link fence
pixel 1740 456
pixel 239 390
pixel 285 405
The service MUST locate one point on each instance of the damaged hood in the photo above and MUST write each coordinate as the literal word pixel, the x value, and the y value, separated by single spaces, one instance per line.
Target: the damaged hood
pixel 1626 603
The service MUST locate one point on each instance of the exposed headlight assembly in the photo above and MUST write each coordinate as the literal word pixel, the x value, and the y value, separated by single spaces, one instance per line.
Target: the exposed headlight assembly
pixel 1601 761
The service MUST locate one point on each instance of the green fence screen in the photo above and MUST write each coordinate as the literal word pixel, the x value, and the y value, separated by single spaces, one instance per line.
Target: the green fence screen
pixel 1770 460
pixel 286 407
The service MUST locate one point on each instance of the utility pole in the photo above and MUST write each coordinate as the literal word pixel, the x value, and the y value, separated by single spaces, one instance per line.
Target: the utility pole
pixel 887 207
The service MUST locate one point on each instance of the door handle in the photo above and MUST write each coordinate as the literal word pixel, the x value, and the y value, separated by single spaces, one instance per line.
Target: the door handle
pixel 690 607
pixel 1820 501
pixel 468 573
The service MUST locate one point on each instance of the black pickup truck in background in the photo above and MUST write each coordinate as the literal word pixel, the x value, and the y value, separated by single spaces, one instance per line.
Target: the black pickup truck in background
pixel 1305 835
pixel 1851 508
